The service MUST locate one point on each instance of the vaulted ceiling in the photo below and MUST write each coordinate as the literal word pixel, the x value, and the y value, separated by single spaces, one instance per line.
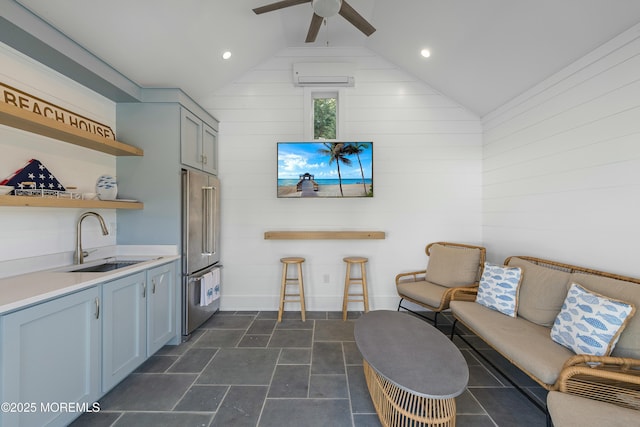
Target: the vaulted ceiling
pixel 484 52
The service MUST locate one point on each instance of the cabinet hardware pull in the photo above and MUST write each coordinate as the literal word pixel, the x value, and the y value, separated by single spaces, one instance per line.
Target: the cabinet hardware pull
pixel 144 290
pixel 97 308
pixel 153 290
pixel 204 159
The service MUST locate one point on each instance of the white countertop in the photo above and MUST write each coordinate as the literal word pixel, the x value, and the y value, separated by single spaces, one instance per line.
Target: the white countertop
pixel 30 288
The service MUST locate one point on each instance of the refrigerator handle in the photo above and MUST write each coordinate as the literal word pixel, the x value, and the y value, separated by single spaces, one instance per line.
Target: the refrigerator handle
pixel 207 224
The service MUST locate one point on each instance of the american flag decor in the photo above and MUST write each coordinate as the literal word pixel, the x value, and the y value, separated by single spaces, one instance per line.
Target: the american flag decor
pixel 34 175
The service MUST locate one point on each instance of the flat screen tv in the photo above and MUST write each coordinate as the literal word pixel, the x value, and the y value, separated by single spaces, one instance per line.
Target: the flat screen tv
pixel 325 169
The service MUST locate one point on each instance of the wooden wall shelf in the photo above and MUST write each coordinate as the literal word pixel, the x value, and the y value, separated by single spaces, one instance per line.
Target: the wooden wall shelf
pixel 323 235
pixel 35 123
pixel 50 202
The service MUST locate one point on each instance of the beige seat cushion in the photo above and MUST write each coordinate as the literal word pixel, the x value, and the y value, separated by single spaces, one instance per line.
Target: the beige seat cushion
pixel 568 410
pixel 453 266
pixel 542 292
pixel 629 343
pixel 525 343
pixel 422 291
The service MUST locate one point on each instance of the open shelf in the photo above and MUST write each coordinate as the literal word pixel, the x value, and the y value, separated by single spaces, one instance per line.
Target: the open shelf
pixel 35 123
pixel 323 235
pixel 52 202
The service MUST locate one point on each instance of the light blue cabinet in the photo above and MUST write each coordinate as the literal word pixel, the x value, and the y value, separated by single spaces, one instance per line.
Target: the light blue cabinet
pixel 198 143
pixel 139 319
pixel 161 302
pixel 123 328
pixel 210 149
pixel 51 354
pixel 75 348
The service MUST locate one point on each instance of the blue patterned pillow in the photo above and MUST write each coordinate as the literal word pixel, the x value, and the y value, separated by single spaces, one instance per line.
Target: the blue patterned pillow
pixel 498 288
pixel 589 323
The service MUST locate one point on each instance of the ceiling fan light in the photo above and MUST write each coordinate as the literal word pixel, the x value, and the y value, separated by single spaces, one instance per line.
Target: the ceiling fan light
pixel 326 8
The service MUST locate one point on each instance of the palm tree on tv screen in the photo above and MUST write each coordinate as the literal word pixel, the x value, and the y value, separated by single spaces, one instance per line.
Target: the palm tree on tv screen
pixel 336 153
pixel 357 148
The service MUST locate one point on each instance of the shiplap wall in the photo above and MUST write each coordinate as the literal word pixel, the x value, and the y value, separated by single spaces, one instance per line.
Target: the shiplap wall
pixel 34 232
pixel 427 174
pixel 561 175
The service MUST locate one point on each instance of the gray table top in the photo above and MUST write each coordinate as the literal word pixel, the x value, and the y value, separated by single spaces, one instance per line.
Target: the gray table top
pixel 411 354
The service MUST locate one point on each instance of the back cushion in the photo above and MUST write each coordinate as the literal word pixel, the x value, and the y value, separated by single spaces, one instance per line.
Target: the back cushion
pixel 542 292
pixel 629 343
pixel 453 266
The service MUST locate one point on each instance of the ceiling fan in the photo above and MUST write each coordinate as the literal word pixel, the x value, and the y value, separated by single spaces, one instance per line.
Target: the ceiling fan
pixel 323 9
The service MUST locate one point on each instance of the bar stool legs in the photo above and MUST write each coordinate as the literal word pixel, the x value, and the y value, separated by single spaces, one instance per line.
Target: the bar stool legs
pixel 348 281
pixel 286 281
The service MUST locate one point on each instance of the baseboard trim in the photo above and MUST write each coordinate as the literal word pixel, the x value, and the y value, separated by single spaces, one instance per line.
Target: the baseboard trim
pixel 314 303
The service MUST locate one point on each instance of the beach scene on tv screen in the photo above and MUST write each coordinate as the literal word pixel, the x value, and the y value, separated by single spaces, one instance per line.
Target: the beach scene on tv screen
pixel 325 169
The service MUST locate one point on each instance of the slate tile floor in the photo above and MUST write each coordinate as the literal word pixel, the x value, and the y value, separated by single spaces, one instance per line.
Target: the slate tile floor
pixel 245 369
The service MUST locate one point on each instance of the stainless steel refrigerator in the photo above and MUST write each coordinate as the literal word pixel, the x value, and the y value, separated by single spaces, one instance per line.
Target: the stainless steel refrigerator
pixel 201 269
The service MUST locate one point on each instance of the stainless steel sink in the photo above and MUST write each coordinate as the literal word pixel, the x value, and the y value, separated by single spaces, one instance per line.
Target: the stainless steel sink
pixel 107 266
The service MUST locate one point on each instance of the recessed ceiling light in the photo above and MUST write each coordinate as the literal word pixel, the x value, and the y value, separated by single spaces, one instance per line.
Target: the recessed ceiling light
pixel 425 52
pixel 226 54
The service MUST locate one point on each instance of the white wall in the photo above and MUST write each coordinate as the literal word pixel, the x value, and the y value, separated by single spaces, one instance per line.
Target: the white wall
pixel 34 232
pixel 427 175
pixel 561 175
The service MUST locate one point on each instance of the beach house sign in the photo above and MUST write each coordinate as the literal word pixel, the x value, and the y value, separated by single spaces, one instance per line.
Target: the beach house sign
pixel 25 101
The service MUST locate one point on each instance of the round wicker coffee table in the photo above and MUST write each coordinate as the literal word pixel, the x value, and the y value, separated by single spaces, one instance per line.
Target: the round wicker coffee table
pixel 413 371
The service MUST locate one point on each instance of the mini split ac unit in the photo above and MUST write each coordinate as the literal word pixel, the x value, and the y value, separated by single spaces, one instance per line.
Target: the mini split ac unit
pixel 323 74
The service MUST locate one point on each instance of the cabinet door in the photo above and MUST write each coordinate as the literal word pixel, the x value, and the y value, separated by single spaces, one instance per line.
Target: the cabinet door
pixel 190 139
pixel 124 328
pixel 161 307
pixel 51 354
pixel 209 149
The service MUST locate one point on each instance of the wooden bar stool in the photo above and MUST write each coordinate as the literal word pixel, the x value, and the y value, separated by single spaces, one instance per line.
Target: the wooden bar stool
pixel 348 281
pixel 286 280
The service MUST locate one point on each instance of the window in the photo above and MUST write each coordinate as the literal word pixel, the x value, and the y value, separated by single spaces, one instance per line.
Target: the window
pixel 325 115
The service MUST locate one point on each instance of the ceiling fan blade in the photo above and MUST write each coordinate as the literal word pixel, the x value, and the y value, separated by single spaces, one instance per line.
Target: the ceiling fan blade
pixel 314 28
pixel 350 14
pixel 278 5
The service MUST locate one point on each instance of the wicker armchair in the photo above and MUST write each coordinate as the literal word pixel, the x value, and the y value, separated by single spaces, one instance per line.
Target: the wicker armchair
pixel 595 391
pixel 453 268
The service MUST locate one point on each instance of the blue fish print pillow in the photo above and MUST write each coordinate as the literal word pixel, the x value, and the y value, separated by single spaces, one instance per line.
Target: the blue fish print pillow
pixel 589 323
pixel 498 288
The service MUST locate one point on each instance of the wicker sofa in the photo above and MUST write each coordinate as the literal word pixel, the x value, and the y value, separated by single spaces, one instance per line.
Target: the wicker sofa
pixel 525 340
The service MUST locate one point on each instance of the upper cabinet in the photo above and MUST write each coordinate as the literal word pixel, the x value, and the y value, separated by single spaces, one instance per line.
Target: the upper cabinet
pixel 198 143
